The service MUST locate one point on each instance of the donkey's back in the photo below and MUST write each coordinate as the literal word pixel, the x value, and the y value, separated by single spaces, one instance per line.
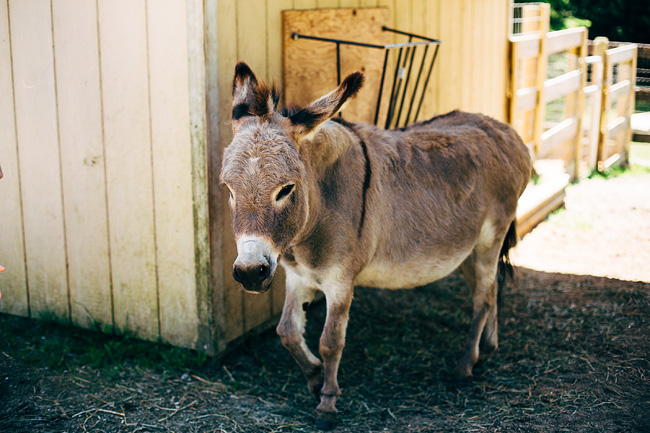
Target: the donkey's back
pixel 440 188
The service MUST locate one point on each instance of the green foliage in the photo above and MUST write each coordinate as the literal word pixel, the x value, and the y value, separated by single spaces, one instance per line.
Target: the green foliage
pixel 618 20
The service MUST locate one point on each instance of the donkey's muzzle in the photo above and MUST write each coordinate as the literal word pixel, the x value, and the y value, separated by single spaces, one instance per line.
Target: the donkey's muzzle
pixel 255 264
pixel 253 277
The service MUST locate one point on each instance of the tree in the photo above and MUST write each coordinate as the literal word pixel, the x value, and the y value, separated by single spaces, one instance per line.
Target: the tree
pixel 618 20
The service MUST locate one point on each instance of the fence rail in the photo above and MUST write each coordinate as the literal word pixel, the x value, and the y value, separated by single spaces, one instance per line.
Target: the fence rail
pixel 567 106
pixel 579 114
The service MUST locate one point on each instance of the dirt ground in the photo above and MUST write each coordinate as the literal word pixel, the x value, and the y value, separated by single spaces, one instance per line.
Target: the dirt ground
pixel 574 351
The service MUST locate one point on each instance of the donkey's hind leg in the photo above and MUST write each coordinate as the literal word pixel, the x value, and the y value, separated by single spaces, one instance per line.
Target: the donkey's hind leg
pixel 479 270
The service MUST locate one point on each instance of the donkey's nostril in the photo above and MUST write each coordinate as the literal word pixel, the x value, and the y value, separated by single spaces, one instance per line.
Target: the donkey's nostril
pixel 237 274
pixel 264 271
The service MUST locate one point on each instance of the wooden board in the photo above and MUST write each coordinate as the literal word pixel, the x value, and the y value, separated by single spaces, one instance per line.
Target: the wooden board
pixel 233 299
pixel 40 174
pixel 310 66
pixel 203 112
pixel 13 282
pixel 538 201
pixel 82 161
pixel 125 86
pixel 172 153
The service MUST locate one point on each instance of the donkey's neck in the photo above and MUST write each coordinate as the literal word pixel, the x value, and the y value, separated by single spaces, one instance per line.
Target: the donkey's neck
pixel 326 146
pixel 338 177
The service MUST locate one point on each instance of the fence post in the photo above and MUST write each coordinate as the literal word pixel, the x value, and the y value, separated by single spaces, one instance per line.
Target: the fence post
pixel 601 44
pixel 542 64
pixel 580 106
pixel 630 107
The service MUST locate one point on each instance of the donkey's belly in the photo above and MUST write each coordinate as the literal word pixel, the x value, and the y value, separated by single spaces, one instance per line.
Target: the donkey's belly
pixel 386 274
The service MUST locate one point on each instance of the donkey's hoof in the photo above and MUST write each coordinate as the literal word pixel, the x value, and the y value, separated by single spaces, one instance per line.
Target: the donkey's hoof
pixel 487 347
pixel 326 420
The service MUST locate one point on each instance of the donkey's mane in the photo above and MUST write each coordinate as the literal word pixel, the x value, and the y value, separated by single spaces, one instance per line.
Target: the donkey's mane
pixel 290 110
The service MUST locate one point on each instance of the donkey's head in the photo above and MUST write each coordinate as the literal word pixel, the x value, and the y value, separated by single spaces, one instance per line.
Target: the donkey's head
pixel 264 171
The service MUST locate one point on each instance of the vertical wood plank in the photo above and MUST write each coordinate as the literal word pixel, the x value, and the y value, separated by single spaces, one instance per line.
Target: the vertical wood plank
pixel 342 4
pixel 227 48
pixel 629 111
pixel 541 75
pixel 251 34
pixel 274 40
pixel 480 48
pixel 322 4
pixel 302 4
pixel 204 52
pixel 37 134
pixel 123 51
pixel 418 14
pixel 82 161
pixel 466 55
pixel 501 54
pixel 367 3
pixel 487 15
pixel 449 57
pixel 432 29
pixel 172 171
pixel 14 280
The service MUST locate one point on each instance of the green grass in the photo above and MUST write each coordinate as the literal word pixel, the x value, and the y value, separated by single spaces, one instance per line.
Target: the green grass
pixel 63 347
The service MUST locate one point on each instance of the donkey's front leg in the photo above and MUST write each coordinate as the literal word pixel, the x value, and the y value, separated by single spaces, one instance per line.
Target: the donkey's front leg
pixel 331 346
pixel 292 327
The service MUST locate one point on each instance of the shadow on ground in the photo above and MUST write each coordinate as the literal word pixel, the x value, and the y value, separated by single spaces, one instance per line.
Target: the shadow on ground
pixel 574 356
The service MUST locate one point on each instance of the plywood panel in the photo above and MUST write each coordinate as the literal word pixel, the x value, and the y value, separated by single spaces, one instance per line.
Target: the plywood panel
pixel 82 161
pixel 304 75
pixel 172 171
pixel 36 127
pixel 227 50
pixel 123 48
pixel 13 282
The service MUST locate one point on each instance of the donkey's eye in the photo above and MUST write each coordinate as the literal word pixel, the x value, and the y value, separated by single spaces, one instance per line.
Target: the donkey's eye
pixel 285 191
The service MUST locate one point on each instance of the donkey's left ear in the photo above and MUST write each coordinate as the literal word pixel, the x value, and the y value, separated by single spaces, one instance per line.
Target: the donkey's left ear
pixel 250 97
pixel 311 117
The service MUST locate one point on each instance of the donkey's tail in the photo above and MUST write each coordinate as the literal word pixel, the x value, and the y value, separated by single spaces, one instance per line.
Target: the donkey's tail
pixel 505 269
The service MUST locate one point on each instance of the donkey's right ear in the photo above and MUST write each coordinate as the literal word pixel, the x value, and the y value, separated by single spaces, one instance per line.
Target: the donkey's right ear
pixel 307 120
pixel 243 92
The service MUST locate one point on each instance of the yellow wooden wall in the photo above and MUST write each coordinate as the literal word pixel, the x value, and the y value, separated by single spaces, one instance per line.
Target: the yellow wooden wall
pixel 103 207
pixel 113 118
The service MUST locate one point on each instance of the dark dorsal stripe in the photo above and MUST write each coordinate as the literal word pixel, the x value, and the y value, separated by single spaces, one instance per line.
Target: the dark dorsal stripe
pixel 368 169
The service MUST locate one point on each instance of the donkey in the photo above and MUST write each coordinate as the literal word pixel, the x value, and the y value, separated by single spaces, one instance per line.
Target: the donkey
pixel 342 204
